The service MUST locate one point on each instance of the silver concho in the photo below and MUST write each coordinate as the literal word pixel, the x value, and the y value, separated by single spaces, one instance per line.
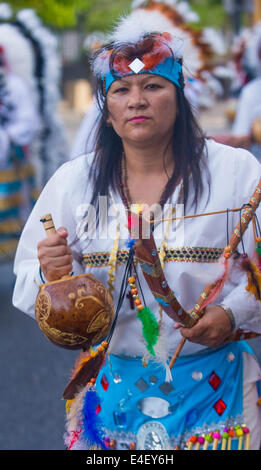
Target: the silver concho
pixel 153 436
pixel 154 407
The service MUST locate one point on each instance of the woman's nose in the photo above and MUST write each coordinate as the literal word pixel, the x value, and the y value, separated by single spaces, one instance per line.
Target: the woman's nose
pixel 137 99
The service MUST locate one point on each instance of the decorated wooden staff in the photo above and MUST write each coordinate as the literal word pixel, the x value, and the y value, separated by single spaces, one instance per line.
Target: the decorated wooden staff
pixel 213 289
pixel 75 312
pixel 147 255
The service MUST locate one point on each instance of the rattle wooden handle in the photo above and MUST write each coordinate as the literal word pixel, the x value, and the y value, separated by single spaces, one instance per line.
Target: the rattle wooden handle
pixel 48 224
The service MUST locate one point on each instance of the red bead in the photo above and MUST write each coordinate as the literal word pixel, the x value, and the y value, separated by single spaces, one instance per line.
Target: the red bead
pixel 214 380
pixel 113 444
pixel 104 383
pixel 98 409
pixel 220 407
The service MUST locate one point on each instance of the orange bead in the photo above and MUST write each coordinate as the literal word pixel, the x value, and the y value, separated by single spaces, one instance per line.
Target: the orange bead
pixel 137 301
pixel 134 291
pixel 132 445
pixel 140 307
pixel 131 280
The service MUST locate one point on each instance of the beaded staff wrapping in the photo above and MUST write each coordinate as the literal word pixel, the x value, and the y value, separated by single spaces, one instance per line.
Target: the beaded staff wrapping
pixel 213 289
pixel 147 255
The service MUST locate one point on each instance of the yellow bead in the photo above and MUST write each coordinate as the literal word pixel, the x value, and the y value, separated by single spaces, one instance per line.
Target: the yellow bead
pixel 239 432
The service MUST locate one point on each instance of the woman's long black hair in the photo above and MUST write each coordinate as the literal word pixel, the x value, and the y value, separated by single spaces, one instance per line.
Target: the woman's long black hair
pixel 188 144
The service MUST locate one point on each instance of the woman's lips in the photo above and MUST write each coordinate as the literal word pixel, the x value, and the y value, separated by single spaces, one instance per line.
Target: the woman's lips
pixel 138 119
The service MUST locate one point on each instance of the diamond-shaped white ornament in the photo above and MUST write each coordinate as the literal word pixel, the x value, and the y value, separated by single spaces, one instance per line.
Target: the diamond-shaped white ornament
pixel 136 65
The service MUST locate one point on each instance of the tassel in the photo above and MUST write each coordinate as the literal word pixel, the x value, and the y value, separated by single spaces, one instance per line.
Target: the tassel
pixel 92 424
pixel 253 275
pixel 87 367
pixel 150 328
pixel 168 377
pixel 162 351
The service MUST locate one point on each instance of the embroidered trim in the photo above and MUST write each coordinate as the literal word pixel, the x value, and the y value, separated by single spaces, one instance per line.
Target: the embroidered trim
pixel 186 254
pixel 123 438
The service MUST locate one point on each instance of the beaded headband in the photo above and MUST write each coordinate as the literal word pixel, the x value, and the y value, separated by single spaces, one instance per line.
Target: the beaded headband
pixel 111 63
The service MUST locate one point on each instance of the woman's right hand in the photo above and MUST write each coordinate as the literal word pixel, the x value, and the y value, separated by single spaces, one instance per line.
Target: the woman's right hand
pixel 55 256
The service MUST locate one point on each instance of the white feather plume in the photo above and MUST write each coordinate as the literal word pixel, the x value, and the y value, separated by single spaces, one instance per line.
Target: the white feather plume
pixel 101 65
pixel 28 17
pixel 184 9
pixel 19 54
pixel 132 27
pixel 141 21
pixel 5 11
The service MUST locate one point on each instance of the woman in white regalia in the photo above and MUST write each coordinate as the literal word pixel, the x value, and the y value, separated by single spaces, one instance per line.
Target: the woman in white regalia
pixel 150 150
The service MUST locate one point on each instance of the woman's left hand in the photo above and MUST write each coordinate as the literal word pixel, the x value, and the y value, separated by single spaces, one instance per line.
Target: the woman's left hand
pixel 211 330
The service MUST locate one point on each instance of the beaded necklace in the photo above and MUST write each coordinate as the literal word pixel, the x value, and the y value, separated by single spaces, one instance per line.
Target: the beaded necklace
pixel 124 189
pixel 160 349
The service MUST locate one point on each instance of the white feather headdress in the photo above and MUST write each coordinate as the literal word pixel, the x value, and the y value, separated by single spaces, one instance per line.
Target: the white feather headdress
pixel 139 22
pixel 19 38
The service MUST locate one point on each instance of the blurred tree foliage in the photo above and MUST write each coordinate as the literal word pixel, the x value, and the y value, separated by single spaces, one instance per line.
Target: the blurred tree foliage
pixel 88 15
pixel 211 12
pixel 91 15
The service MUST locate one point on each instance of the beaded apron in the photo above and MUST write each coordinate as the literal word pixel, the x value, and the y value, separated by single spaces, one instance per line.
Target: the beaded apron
pixel 140 410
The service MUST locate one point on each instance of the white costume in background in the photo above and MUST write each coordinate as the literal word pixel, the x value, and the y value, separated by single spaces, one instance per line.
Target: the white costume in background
pixel 19 125
pixel 23 120
pixel 248 109
pixel 84 142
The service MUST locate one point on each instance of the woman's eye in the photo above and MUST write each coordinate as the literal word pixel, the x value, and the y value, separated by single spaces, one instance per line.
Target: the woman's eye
pixel 153 86
pixel 121 90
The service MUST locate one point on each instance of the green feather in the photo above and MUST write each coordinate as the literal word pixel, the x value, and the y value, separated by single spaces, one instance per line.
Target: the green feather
pixel 150 328
pixel 258 248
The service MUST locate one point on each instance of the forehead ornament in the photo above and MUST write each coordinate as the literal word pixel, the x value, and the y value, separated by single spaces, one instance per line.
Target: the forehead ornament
pixel 136 65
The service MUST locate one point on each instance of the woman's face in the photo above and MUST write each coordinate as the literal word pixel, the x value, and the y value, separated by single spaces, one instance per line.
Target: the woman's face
pixel 142 109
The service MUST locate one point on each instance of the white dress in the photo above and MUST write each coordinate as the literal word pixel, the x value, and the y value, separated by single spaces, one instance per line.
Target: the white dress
pixel 234 174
